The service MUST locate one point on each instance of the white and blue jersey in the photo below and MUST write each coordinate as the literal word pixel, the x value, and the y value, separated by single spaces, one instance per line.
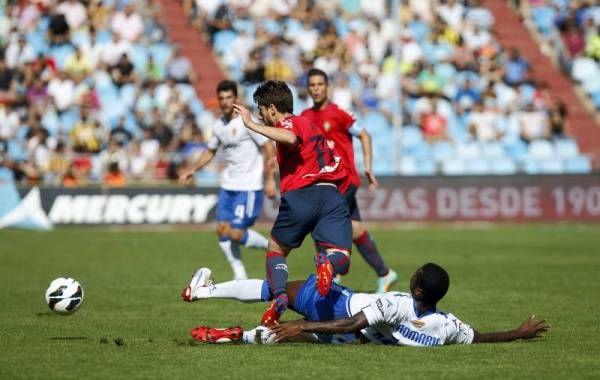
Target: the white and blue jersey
pixel 241 195
pixel 393 319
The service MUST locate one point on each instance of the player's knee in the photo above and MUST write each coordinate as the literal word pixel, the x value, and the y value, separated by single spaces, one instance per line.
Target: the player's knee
pixel 236 235
pixel 357 230
pixel 223 229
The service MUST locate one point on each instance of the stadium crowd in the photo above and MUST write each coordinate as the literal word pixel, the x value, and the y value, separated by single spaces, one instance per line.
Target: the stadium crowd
pixel 92 91
pixel 469 106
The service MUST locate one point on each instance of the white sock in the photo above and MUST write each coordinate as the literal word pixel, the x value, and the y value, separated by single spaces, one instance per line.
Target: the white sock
pixel 256 240
pixel 243 290
pixel 258 335
pixel 234 257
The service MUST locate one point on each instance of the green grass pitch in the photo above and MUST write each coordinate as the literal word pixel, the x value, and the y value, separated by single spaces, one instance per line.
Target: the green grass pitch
pixel 132 280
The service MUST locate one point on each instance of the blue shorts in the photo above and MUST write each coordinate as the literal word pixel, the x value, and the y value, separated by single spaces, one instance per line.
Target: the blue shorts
pixel 319 210
pixel 315 307
pixel 239 208
pixel 350 196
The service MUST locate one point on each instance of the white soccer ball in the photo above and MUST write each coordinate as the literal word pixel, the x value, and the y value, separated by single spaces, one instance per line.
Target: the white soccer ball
pixel 64 296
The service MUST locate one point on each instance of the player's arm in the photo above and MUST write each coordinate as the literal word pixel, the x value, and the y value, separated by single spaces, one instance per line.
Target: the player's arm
pixel 365 142
pixel 204 159
pixel 529 329
pixel 339 326
pixel 270 167
pixel 280 135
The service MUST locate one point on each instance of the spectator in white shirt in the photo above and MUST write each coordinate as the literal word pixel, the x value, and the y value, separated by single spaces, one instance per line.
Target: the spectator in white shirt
pixel 452 12
pixel 128 24
pixel 74 12
pixel 62 90
pixel 19 52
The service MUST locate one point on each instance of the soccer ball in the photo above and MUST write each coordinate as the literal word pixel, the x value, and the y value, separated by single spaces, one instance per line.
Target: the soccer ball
pixel 64 296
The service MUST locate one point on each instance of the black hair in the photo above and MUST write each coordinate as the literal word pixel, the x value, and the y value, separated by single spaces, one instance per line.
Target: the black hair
pixel 227 85
pixel 277 93
pixel 314 72
pixel 434 281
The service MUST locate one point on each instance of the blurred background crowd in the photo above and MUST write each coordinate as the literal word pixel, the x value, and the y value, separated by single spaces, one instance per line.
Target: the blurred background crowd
pixel 94 92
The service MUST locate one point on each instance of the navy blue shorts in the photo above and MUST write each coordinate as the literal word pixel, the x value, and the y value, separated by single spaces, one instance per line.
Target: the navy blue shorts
pixel 239 208
pixel 319 210
pixel 315 307
pixel 350 196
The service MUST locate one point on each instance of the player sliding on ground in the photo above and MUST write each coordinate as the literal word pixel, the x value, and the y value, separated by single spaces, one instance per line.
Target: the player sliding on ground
pixel 310 202
pixel 343 316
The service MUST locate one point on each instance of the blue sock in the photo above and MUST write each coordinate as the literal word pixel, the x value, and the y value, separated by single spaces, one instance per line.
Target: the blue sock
pixel 265 292
pixel 339 261
pixel 277 273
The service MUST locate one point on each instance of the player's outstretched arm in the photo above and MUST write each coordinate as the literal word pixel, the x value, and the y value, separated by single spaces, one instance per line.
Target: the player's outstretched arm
pixel 365 142
pixel 280 135
pixel 291 329
pixel 204 159
pixel 529 329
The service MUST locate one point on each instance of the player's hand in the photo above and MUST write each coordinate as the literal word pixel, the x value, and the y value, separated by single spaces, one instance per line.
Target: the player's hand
pixel 287 330
pixel 372 180
pixel 270 188
pixel 532 328
pixel 185 178
pixel 244 113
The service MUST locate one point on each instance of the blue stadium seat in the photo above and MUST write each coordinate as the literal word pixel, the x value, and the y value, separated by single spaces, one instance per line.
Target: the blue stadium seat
pixel 441 151
pixel 493 149
pixel 139 57
pixel 68 119
pixel 469 150
pixel 551 166
pixel 477 167
pixel 127 95
pixel 6 174
pixel 160 53
pixel 502 166
pixel 16 150
pixel 543 18
pixel 516 149
pixel 61 54
pixel 454 166
pixel 426 167
pixel 540 149
pixel 420 150
pixel 245 25
pixel 578 165
pixel 37 39
pixel 566 148
pixel 584 68
pixel 408 166
pixel 410 136
pixel 103 36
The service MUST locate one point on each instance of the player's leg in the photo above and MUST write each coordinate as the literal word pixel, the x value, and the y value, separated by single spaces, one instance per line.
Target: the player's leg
pixel 225 216
pixel 366 245
pixel 333 236
pixel 293 223
pixel 247 208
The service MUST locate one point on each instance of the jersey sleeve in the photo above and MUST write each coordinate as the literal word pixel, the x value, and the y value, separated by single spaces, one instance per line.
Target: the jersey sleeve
pixel 349 121
pixel 385 309
pixel 458 332
pixel 213 143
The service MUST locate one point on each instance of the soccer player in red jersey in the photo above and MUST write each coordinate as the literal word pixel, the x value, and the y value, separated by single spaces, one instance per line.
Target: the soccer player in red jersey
pixel 339 127
pixel 310 201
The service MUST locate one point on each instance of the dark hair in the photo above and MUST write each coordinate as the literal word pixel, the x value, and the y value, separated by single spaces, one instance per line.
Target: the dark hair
pixel 227 85
pixel 314 72
pixel 434 281
pixel 277 93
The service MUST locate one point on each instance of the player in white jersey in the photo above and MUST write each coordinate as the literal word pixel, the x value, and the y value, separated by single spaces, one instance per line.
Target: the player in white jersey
pixel 394 318
pixel 241 194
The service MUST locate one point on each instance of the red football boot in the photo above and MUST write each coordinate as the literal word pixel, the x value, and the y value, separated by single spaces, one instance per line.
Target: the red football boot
pixel 207 334
pixel 324 274
pixel 273 313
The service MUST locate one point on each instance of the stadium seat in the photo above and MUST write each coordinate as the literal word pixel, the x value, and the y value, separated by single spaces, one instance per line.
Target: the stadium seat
pixel 566 148
pixel 408 166
pixel 410 136
pixel 540 150
pixel 468 150
pixel 139 57
pixel 160 53
pixel 454 166
pixel 6 174
pixel 477 167
pixel 543 18
pixel 551 166
pixel 426 167
pixel 516 149
pixel 578 165
pixel 16 150
pixel 502 166
pixel 127 95
pixel 442 150
pixel 584 69
pixel 493 149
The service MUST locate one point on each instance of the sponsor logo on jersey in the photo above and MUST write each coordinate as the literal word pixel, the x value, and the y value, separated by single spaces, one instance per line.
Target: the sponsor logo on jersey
pixel 420 338
pixel 380 306
pixel 417 323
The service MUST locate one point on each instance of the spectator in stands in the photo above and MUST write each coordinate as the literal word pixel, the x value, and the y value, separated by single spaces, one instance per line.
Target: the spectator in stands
pixel 123 72
pixel 221 20
pixel 78 65
pixel 254 69
pixel 19 53
pixel 114 176
pixel 59 163
pixel 179 68
pixel 533 124
pixel 62 90
pixel 433 124
pixel 276 68
pixel 128 24
pixel 153 71
pixel 58 29
pixel 120 134
pixel 37 94
pixel 516 68
pixel 484 123
pixel 86 136
pixel 557 117
pixel 74 12
pixel 467 95
pixel 592 48
pixel 8 92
